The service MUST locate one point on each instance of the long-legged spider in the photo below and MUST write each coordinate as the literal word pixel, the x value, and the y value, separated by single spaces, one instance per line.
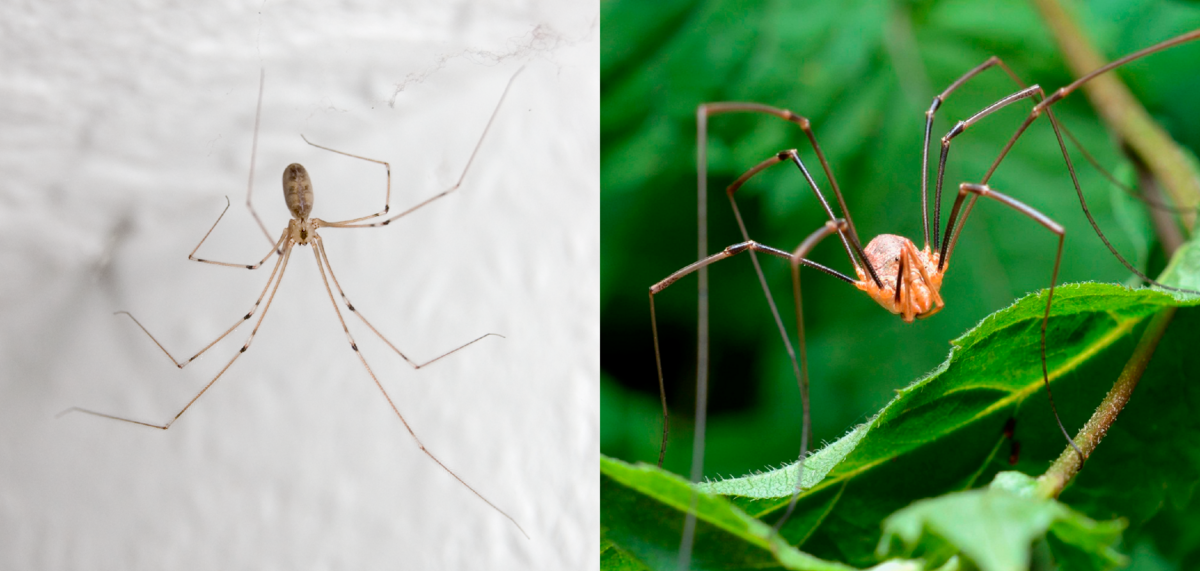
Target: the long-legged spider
pixel 892 270
pixel 303 231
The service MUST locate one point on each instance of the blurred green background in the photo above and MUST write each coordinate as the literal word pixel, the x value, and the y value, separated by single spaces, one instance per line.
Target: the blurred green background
pixel 864 72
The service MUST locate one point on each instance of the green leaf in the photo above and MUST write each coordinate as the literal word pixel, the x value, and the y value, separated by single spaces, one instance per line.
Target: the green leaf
pixel 781 483
pixel 864 72
pixel 995 527
pixel 1183 271
pixel 840 65
pixel 642 522
pixel 947 432
pixel 613 558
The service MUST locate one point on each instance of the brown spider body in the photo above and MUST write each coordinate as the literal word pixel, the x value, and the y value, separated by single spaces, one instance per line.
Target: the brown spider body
pixel 297 190
pixel 910 277
pixel 298 194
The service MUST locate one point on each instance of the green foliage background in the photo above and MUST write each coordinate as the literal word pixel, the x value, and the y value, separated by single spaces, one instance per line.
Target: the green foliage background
pixel 863 72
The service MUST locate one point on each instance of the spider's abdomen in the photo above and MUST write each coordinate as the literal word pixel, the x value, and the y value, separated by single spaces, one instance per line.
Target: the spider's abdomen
pixel 297 190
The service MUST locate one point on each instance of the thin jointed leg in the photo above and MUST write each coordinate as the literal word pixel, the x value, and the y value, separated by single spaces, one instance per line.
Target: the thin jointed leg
pixel 470 159
pixel 387 197
pixel 322 265
pixel 709 109
pixel 703 112
pixel 1058 230
pixel 287 252
pixel 262 77
pixel 798 259
pixel 274 246
pixel 851 243
pixel 1034 92
pixel 658 287
pixel 238 323
pixel 937 103
pixel 1061 93
pixel 321 246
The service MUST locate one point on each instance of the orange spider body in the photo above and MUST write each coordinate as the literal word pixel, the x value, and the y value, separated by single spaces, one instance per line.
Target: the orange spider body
pixel 910 277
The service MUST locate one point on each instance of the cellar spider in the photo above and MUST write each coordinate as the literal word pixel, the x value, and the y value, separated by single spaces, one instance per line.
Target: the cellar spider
pixel 303 231
pixel 892 270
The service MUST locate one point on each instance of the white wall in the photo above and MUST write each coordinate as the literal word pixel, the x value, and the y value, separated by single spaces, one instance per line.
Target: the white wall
pixel 124 124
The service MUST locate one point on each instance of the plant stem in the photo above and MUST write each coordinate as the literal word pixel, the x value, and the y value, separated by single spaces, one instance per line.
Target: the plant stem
pixel 1165 162
pixel 1125 115
pixel 1055 479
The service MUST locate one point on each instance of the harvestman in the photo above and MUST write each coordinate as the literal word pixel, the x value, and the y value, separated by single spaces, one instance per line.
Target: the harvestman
pixel 302 230
pixel 902 278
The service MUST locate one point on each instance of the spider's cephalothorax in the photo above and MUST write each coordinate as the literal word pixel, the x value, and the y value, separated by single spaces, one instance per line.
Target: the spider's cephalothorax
pixel 910 277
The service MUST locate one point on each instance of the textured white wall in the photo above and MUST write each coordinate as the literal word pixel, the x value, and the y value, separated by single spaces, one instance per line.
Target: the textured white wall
pixel 123 125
